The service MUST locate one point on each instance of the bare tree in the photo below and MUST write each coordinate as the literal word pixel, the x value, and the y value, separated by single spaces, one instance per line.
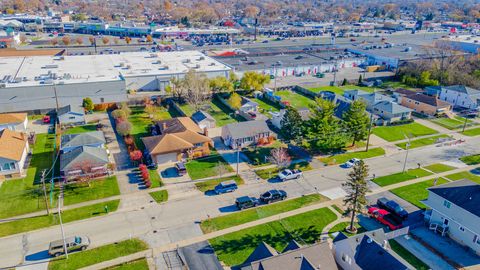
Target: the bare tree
pixel 197 89
pixel 221 169
pixel 280 157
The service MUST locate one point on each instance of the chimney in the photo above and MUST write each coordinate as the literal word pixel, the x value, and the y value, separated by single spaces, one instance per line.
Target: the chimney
pixel 205 131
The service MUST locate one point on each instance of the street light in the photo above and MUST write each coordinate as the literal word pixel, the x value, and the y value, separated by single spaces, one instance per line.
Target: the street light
pixel 61 227
pixel 407 145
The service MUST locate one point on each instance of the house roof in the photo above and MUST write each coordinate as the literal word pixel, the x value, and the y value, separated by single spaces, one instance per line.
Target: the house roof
pixel 463 89
pixel 199 116
pixel 93 156
pixel 370 255
pixel 12 118
pixel 430 100
pixel 87 138
pixel 262 251
pixel 247 129
pixel 463 193
pixel 77 110
pixel 392 107
pixel 292 245
pixel 12 144
pixel 405 92
pixel 178 124
pixel 370 98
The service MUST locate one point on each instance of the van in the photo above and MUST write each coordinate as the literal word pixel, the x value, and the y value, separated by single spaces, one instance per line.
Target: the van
pixel 75 243
pixel 226 186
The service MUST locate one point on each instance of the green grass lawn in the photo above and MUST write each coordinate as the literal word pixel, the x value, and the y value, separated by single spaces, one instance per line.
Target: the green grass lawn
pixel 140 121
pixel 96 189
pixel 421 142
pixel 96 255
pixel 271 172
pixel 234 248
pixel 205 166
pixel 338 209
pixel 266 106
pixel 439 168
pixel 341 158
pixel 81 129
pixel 415 193
pixel 341 89
pixel 237 218
pixel 452 123
pixel 258 156
pixel 295 100
pixel 400 177
pixel 464 175
pixel 21 196
pixel 205 186
pixel 34 223
pixel 155 178
pixel 140 264
pixel 222 114
pixel 187 109
pixel 407 256
pixel 341 227
pixel 396 133
pixel 472 132
pixel 395 84
pixel 471 160
pixel 159 196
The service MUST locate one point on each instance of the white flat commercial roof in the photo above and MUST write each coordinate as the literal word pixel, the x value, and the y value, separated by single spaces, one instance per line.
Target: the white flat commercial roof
pixel 37 70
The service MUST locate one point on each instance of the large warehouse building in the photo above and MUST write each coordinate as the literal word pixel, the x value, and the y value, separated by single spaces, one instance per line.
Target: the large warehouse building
pixel 37 83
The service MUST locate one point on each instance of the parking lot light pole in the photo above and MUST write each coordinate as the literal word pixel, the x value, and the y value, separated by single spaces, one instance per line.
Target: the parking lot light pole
pixel 61 227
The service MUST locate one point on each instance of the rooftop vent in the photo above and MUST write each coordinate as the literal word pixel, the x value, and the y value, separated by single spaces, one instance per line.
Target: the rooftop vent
pixel 50 66
pixel 163 68
pixel 186 61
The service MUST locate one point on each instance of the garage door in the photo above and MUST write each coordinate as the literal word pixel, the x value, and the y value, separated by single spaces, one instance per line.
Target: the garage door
pixel 167 158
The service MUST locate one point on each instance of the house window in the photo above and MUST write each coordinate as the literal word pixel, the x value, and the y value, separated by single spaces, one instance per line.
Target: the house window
pixel 461 229
pixel 198 145
pixel 8 166
pixel 102 100
pixel 447 204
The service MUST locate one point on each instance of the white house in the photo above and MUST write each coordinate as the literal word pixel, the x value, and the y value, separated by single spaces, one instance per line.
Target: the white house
pixel 14 121
pixel 277 117
pixel 460 96
pixel 247 133
pixel 14 150
pixel 456 209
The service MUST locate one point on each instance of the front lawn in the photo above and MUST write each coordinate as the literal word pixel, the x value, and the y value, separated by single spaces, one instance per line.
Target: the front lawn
pixel 140 264
pixel 464 175
pixel 397 133
pixel 472 132
pixel 206 166
pixel 234 248
pixel 471 160
pixel 81 129
pixel 421 142
pixel 295 100
pixel 341 227
pixel 258 156
pixel 439 168
pixel 342 158
pixel 407 255
pixel 205 186
pixel 237 218
pixel 341 89
pixel 39 222
pixel 155 178
pixel 100 254
pixel 97 189
pixel 415 193
pixel 452 123
pixel 271 172
pixel 400 177
pixel 159 196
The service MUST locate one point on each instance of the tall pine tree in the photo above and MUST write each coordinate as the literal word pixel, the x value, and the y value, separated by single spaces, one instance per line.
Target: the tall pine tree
pixel 357 188
pixel 292 125
pixel 356 121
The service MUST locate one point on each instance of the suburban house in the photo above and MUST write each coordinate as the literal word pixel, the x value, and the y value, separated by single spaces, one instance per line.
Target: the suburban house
pixel 293 257
pixel 203 119
pixel 84 160
pixel 14 150
pixel 367 251
pixel 422 103
pixel 342 104
pixel 460 96
pixel 249 110
pixel 14 121
pixel 243 134
pixel 369 98
pixel 70 142
pixel 180 138
pixel 455 211
pixel 277 117
pixel 71 116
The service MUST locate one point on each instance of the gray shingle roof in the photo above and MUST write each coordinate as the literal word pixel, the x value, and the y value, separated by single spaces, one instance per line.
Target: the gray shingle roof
pixel 292 245
pixel 463 89
pixel 371 256
pixel 73 109
pixel 199 116
pixel 463 193
pixel 262 251
pixel 391 107
pixel 87 138
pixel 247 129
pixel 93 156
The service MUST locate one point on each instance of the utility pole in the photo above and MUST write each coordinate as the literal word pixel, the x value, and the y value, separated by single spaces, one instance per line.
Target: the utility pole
pixel 464 124
pixel 369 131
pixel 407 146
pixel 45 192
pixel 238 157
pixel 63 231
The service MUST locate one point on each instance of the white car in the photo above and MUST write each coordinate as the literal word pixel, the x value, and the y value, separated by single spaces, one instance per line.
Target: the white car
pixel 351 163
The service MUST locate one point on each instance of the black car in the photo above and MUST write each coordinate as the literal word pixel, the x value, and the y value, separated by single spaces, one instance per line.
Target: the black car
pixel 245 202
pixel 273 196
pixel 393 207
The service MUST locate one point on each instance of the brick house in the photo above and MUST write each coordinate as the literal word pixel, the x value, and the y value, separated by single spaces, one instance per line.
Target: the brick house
pixel 421 103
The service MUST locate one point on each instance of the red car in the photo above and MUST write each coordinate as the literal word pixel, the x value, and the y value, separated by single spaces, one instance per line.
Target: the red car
pixel 46 119
pixel 384 217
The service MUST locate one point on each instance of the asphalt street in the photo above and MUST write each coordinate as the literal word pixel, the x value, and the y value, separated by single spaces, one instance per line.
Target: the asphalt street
pixel 178 219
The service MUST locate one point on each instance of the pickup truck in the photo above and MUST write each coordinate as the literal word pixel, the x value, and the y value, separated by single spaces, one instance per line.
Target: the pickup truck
pixel 289 174
pixel 384 217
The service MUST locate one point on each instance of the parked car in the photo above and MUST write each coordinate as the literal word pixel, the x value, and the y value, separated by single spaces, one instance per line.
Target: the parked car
pixel 46 119
pixel 245 202
pixel 351 163
pixel 180 168
pixel 289 174
pixel 226 186
pixel 393 207
pixel 56 248
pixel 273 196
pixel 384 217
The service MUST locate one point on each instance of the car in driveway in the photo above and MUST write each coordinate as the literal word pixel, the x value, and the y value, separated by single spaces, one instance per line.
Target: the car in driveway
pixel 273 195
pixel 384 217
pixel 225 187
pixel 56 248
pixel 350 163
pixel 245 202
pixel 180 168
pixel 393 207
